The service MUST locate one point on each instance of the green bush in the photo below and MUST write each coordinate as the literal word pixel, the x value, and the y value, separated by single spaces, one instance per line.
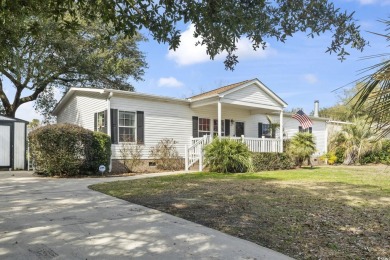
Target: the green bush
pixel 380 155
pixel 227 156
pixel 301 147
pixel 271 161
pixel 68 150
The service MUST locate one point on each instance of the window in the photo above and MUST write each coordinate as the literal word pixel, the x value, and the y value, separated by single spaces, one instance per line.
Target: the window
pixel 126 126
pixel 266 131
pixel 101 122
pixel 307 130
pixel 216 127
pixel 204 126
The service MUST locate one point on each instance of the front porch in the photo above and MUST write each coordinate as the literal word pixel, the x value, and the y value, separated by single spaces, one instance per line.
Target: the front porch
pixel 194 153
pixel 246 112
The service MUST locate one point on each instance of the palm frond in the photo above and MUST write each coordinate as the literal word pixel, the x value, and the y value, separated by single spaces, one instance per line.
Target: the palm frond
pixel 374 94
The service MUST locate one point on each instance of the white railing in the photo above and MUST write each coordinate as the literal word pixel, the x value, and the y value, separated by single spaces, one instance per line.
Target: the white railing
pixel 194 153
pixel 263 145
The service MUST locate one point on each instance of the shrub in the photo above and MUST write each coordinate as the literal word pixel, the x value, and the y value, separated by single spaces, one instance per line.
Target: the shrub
pixel 166 155
pixel 379 155
pixel 330 157
pixel 68 150
pixel 227 156
pixel 131 155
pixel 301 147
pixel 271 161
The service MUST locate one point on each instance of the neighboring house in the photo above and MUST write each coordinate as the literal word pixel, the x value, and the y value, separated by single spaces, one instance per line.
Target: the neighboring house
pixel 13 143
pixel 236 111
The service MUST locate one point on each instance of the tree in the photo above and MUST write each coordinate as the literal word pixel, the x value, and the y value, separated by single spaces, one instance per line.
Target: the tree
pixel 301 147
pixel 45 57
pixel 273 126
pixel 218 23
pixel 34 124
pixel 375 92
pixel 356 140
pixel 344 110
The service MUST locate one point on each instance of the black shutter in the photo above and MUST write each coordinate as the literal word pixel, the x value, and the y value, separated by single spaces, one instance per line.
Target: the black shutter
pixel 195 132
pixel 227 127
pixel 310 129
pixel 300 129
pixel 95 119
pixel 260 130
pixel 140 127
pixel 273 131
pixel 114 126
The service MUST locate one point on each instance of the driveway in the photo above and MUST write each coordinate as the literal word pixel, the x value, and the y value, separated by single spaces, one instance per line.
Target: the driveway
pixel 47 218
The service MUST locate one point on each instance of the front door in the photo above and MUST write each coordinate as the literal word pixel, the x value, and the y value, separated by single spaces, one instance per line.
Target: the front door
pixel 5 146
pixel 240 129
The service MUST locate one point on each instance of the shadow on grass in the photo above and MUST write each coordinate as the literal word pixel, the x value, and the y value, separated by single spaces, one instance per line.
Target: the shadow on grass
pixel 303 220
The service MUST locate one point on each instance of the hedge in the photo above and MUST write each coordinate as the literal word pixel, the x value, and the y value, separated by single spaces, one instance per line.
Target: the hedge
pixel 68 150
pixel 271 161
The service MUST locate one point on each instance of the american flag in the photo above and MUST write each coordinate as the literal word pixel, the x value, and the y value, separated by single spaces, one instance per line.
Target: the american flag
pixel 303 119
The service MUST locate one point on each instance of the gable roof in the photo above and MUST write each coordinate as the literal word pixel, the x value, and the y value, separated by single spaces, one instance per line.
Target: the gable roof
pixel 217 91
pixel 237 86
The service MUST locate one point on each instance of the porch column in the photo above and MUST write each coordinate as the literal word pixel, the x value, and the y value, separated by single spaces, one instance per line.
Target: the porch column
pixel 281 131
pixel 219 118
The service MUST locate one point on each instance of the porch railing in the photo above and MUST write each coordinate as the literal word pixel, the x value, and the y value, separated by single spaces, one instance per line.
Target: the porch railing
pixel 194 153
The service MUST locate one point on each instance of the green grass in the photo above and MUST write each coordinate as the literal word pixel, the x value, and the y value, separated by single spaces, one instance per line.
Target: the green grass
pixel 325 212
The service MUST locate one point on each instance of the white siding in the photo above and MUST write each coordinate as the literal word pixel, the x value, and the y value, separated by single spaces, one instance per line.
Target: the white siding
pixel 162 120
pixel 19 145
pixel 80 109
pixel 5 142
pixel 291 127
pixel 253 95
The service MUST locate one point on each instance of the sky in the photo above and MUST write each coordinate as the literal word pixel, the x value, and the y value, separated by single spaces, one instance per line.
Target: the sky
pixel 299 70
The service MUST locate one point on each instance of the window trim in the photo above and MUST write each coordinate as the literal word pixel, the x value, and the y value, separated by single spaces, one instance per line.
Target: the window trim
pixel 99 127
pixel 134 127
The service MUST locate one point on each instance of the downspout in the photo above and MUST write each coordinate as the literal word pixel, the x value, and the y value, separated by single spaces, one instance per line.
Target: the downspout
pixel 109 125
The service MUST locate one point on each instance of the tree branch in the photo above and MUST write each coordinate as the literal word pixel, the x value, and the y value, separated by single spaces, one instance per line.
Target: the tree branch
pixel 4 99
pixel 11 78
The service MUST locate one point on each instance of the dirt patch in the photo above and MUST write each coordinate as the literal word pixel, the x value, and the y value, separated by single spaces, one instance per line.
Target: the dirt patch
pixel 303 219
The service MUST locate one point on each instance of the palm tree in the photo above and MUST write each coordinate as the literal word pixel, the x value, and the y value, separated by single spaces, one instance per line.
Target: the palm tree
pixel 273 126
pixel 301 147
pixel 357 139
pixel 375 91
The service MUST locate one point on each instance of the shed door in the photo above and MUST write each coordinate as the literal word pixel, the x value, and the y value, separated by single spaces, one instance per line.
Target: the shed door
pixel 5 146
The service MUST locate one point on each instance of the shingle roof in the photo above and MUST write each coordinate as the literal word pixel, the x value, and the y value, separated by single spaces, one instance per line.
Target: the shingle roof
pixel 217 91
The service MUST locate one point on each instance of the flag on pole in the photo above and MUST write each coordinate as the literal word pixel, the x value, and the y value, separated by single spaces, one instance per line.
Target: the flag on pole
pixel 303 119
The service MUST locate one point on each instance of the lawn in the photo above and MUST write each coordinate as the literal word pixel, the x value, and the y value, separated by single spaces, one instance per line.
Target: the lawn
pixel 325 212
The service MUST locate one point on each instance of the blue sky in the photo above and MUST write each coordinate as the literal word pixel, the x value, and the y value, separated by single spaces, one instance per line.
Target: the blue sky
pixel 299 71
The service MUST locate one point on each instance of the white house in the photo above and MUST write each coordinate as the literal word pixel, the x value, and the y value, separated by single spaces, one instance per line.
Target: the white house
pixel 13 143
pixel 236 111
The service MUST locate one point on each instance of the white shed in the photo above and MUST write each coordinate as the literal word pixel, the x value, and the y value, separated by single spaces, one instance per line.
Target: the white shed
pixel 13 143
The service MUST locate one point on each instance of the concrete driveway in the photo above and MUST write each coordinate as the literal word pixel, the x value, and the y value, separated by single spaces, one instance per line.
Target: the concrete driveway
pixel 46 218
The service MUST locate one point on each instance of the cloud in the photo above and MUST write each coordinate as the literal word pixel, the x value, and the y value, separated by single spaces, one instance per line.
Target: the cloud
pixel 310 78
pixel 188 53
pixel 169 82
pixel 27 112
